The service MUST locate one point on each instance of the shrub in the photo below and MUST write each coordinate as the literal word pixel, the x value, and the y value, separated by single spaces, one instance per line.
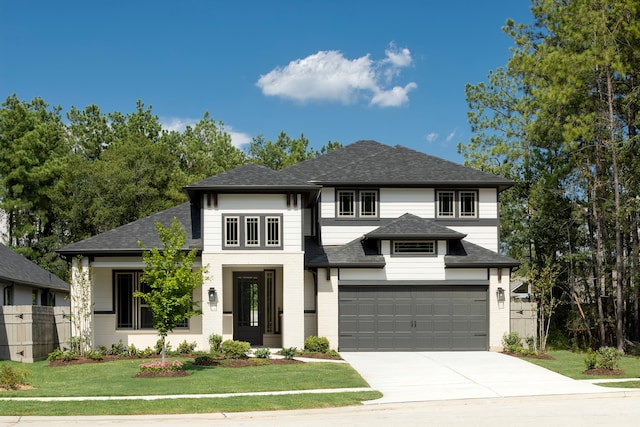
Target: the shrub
pixel 147 352
pixel 94 355
pixel 608 358
pixel 262 353
pixel 288 353
pixel 215 341
pixel 186 348
pixel 118 349
pixel 204 360
pixel 315 344
pixel 55 355
pixel 12 378
pixel 591 359
pixel 133 351
pixel 235 349
pixel 512 342
pixel 333 353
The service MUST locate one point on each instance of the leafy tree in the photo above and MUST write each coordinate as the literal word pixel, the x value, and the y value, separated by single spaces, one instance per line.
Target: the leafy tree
pixel 171 279
pixel 285 151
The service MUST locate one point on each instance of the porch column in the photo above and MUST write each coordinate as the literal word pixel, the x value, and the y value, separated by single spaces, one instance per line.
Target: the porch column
pixel 212 312
pixel 293 302
pixel 328 307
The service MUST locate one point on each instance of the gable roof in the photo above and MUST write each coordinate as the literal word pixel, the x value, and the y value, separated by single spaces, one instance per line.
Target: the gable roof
pixel 251 177
pixel 18 269
pixel 373 163
pixel 410 226
pixel 124 239
pixel 466 254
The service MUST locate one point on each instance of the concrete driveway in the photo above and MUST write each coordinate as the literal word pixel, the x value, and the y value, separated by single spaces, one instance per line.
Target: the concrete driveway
pixel 424 376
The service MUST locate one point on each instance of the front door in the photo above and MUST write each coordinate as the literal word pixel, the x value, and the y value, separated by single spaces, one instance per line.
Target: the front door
pixel 248 300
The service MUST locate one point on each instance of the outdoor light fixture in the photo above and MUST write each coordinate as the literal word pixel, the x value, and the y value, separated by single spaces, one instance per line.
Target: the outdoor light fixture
pixel 213 295
pixel 500 294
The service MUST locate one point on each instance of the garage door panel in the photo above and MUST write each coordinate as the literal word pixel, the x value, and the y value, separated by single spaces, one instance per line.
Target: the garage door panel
pixel 413 318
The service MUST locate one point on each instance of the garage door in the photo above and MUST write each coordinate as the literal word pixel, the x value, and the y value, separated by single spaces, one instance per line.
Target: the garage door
pixel 406 318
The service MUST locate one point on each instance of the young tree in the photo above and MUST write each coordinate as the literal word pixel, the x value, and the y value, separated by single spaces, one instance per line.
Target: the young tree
pixel 171 280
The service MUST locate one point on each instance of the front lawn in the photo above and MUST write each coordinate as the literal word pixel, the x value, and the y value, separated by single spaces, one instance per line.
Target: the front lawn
pixel 572 365
pixel 117 379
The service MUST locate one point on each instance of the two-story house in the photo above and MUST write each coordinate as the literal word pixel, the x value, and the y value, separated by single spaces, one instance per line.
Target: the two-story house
pixel 372 246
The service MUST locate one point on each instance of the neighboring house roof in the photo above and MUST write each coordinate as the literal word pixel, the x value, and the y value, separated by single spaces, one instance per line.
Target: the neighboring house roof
pixel 373 163
pixel 124 239
pixel 410 226
pixel 354 254
pixel 14 268
pixel 466 254
pixel 251 177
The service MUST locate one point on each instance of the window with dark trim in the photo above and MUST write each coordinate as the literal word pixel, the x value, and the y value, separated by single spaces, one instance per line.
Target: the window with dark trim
pixel 8 295
pixel 131 311
pixel 414 247
pixel 457 204
pixel 252 231
pixel 357 203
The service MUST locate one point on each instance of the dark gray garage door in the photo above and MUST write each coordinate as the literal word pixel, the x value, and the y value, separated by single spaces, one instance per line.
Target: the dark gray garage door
pixel 406 318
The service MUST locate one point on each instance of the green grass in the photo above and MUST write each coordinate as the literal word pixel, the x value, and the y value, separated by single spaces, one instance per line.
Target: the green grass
pixel 572 365
pixel 186 406
pixel 118 379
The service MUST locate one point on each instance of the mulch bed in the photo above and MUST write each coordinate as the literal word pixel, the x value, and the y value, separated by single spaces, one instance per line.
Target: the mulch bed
pixel 319 356
pixel 162 374
pixel 81 360
pixel 602 371
pixel 541 356
pixel 244 363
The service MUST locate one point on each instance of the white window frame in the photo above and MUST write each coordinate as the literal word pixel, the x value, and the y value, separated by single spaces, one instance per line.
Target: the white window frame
pixel 249 240
pixel 396 243
pixel 457 204
pixel 232 241
pixel 354 205
pixel 462 213
pixel 270 240
pixel 363 213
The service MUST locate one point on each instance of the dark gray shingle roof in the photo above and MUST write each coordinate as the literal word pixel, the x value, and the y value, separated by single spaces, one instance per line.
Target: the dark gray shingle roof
pixel 354 254
pixel 373 163
pixel 410 226
pixel 250 177
pixel 16 268
pixel 125 239
pixel 466 254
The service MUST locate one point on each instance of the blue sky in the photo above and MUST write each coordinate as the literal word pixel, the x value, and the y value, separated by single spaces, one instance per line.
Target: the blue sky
pixel 345 70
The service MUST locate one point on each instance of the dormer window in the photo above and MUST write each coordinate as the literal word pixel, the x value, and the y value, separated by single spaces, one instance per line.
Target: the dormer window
pixel 357 203
pixel 457 204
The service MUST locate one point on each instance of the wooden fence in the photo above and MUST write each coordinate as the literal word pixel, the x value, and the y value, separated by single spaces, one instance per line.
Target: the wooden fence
pixel 524 319
pixel 28 333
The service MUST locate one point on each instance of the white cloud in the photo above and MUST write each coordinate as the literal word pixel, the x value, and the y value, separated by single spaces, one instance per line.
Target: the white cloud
pixel 451 135
pixel 432 137
pixel 329 76
pixel 177 124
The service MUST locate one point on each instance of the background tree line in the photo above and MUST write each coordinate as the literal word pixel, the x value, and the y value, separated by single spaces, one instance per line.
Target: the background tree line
pixel 561 120
pixel 62 181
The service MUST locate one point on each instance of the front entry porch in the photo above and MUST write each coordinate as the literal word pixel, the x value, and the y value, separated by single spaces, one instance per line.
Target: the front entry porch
pixel 255 299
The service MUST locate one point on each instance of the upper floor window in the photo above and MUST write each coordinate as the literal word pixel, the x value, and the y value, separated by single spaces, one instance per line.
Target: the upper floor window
pixel 460 204
pixel 252 231
pixel 357 203
pixel 414 247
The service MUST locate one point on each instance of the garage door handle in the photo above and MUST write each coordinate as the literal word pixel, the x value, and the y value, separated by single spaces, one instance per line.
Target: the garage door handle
pixel 479 335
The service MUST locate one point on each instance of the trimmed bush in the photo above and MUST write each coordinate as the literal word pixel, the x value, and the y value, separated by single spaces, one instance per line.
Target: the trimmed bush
pixel 235 349
pixel 608 358
pixel 315 344
pixel 512 342
pixel 215 341
pixel 591 359
pixel 262 353
pixel 186 347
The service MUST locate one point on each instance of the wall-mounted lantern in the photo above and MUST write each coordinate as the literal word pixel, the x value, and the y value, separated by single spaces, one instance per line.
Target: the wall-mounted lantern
pixel 213 295
pixel 500 294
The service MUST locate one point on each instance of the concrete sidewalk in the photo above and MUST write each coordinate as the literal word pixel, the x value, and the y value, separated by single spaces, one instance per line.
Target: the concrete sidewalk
pixel 427 376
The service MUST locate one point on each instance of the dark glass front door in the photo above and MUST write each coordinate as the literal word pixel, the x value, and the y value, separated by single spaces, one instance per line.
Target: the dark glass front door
pixel 247 307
